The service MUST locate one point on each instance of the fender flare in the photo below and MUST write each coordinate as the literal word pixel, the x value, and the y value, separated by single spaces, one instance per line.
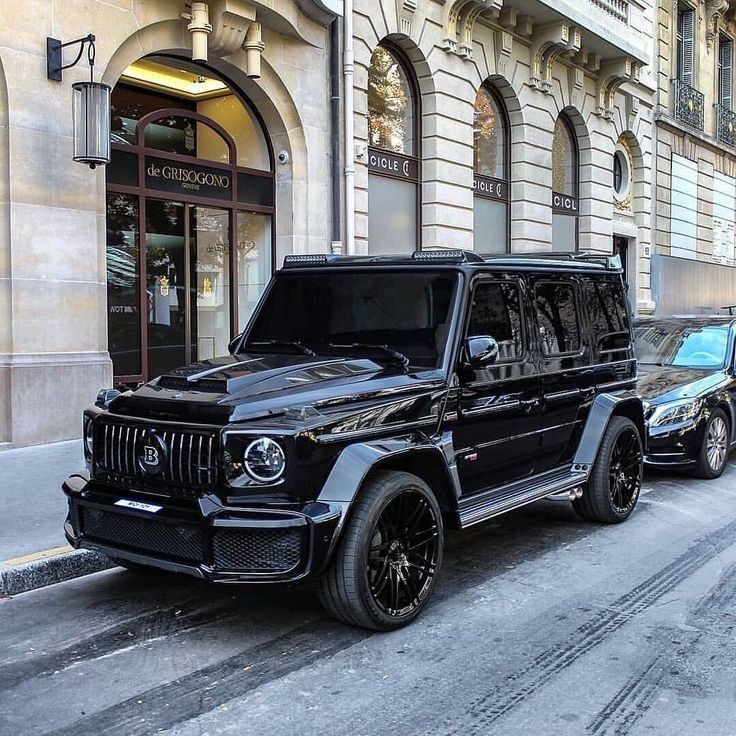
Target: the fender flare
pixel 356 461
pixel 604 407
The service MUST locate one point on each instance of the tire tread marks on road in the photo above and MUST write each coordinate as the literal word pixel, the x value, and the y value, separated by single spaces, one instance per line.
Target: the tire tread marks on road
pixel 633 700
pixel 201 691
pixel 522 684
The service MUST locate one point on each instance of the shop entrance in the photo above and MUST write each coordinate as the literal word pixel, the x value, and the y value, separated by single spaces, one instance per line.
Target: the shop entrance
pixel 189 228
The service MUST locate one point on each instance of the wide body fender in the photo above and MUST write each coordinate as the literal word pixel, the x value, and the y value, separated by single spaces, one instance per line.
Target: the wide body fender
pixel 625 403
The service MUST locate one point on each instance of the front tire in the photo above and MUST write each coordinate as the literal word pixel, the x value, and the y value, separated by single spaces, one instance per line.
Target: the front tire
pixel 714 450
pixel 385 567
pixel 614 485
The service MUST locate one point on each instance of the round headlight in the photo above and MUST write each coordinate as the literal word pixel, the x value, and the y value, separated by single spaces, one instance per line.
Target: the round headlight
pixel 88 437
pixel 264 460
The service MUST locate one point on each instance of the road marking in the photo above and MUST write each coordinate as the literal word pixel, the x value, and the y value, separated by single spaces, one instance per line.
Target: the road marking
pixel 38 555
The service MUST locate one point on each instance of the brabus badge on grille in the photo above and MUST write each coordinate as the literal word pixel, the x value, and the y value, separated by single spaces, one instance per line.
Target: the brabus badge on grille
pixel 152 454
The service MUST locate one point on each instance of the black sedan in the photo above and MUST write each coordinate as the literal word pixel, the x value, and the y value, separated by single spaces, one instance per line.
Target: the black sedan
pixel 687 377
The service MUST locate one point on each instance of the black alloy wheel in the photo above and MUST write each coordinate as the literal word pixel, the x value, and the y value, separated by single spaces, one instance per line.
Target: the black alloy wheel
pixel 402 558
pixel 715 447
pixel 386 564
pixel 615 481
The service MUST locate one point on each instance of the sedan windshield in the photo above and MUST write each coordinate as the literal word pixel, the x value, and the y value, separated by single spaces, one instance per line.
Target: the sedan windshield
pixel 398 317
pixel 691 346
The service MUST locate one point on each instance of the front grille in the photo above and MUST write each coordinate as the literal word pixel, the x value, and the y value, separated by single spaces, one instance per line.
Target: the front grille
pixel 191 462
pixel 211 385
pixel 149 535
pixel 257 550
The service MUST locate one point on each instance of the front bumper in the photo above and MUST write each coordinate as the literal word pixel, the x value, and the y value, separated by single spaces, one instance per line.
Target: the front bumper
pixel 674 445
pixel 203 538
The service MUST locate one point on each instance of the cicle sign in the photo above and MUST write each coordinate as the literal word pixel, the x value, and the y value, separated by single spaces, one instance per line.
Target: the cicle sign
pixel 177 177
pixel 490 188
pixel 392 164
pixel 564 204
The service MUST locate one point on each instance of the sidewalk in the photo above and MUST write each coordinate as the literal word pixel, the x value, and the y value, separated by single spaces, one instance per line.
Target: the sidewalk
pixel 33 551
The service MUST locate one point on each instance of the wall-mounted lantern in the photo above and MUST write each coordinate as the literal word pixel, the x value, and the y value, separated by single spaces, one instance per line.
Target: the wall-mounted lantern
pixel 91 103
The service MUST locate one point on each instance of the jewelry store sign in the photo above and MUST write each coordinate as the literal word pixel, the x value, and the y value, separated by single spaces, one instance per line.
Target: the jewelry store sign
pixel 392 164
pixel 176 177
pixel 564 204
pixel 490 188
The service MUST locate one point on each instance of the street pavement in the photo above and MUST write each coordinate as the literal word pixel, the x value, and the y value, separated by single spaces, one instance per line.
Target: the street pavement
pixel 541 624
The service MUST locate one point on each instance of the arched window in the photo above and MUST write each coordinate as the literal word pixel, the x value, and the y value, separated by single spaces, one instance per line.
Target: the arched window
pixel 491 173
pixel 565 184
pixel 393 155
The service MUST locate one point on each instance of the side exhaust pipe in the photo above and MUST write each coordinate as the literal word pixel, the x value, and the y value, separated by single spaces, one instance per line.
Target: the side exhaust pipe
pixel 572 495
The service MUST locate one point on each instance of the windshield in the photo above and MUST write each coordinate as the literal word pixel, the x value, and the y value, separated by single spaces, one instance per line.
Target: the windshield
pixel 691 346
pixel 328 313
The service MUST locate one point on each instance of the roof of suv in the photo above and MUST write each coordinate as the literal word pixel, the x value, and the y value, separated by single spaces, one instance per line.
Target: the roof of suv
pixel 521 261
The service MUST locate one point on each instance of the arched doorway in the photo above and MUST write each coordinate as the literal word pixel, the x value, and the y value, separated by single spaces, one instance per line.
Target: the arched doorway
pixel 190 204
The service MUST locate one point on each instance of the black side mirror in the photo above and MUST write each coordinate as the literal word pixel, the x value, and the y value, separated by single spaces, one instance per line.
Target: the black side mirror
pixel 481 351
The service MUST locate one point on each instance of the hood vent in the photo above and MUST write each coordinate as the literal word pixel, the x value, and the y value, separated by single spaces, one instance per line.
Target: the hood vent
pixel 177 383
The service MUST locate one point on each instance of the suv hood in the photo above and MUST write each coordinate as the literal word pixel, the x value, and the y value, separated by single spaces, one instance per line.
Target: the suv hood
pixel 231 389
pixel 660 384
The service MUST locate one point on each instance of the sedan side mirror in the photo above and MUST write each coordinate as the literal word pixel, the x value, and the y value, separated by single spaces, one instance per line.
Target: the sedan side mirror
pixel 481 351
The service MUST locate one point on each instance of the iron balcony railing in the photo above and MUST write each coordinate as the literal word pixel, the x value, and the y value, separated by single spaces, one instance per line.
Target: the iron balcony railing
pixel 726 125
pixel 689 104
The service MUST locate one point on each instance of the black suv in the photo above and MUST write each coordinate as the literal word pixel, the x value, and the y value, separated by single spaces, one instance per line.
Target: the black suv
pixel 371 403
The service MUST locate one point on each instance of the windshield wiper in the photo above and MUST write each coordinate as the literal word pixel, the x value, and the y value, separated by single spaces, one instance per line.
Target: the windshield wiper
pixel 282 344
pixel 394 356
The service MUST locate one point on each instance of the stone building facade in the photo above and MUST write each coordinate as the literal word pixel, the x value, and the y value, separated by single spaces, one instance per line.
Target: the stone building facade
pixel 694 263
pixel 499 125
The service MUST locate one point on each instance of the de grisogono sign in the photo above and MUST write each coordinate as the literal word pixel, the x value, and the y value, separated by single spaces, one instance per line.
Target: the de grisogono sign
pixel 177 177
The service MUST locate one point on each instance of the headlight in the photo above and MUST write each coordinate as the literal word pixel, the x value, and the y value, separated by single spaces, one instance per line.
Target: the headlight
pixel 88 437
pixel 675 412
pixel 264 460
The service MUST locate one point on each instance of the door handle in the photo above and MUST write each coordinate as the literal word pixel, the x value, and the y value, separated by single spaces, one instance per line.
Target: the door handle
pixel 529 404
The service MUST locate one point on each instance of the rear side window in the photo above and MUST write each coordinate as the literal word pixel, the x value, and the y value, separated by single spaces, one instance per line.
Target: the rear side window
pixel 608 315
pixel 496 311
pixel 557 317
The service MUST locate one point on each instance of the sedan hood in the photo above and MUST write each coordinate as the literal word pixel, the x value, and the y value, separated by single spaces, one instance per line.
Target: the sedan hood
pixel 660 384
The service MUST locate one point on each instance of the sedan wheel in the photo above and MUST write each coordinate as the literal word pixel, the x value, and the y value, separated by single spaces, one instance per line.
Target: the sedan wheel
pixel 715 446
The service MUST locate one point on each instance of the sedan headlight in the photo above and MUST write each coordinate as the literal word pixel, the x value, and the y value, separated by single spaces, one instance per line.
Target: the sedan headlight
pixel 675 412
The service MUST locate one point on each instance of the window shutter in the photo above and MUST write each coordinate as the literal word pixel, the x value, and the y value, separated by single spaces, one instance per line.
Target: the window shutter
pixel 726 61
pixel 687 31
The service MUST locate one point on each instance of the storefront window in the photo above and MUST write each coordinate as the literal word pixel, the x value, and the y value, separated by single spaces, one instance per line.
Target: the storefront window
pixel 254 261
pixel 491 179
pixel 565 177
pixel 393 181
pixel 207 199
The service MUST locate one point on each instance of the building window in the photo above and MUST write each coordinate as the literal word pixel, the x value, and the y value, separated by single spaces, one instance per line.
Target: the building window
pixel 685 40
pixel 393 155
pixel 684 208
pixel 725 72
pixel 565 177
pixel 491 173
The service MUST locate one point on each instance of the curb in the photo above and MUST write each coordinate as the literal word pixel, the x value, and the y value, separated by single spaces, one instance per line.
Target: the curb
pixel 50 570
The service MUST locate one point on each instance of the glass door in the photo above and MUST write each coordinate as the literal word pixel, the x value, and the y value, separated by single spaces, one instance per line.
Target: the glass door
pixel 209 246
pixel 187 284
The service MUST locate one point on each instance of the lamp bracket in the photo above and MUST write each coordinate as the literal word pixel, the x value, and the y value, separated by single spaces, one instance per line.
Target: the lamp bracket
pixel 54 61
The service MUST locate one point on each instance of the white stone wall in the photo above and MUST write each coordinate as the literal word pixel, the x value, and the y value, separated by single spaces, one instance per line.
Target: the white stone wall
pixel 503 53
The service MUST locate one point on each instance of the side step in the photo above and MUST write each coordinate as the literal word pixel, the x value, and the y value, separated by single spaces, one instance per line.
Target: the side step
pixel 487 504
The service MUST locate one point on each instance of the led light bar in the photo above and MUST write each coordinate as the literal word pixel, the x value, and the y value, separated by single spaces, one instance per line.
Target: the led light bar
pixel 309 259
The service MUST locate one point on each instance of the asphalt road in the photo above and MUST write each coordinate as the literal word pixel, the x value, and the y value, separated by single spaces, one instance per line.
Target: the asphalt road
pixel 541 625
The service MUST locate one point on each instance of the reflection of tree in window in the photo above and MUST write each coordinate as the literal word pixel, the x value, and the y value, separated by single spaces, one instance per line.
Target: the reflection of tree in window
pixel 488 136
pixel 557 317
pixel 496 312
pixel 390 113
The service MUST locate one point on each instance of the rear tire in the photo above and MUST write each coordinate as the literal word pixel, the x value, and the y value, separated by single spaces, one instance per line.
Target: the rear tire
pixel 614 485
pixel 715 447
pixel 386 564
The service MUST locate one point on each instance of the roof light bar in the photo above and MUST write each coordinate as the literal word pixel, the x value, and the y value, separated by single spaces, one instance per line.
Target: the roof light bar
pixel 451 256
pixel 310 259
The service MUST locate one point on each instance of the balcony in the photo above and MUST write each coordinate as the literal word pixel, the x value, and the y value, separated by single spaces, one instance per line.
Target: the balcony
pixel 726 125
pixel 619 9
pixel 688 104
